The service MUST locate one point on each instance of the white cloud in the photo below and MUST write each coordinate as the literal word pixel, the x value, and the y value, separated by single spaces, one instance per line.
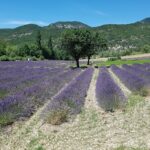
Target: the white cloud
pixel 100 13
pixel 23 22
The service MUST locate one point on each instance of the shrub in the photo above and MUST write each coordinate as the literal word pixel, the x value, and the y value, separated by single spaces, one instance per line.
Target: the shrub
pixel 4 58
pixel 57 117
pixel 6 119
pixel 143 92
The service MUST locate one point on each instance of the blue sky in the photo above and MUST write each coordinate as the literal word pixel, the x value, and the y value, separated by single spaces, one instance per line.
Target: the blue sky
pixel 92 12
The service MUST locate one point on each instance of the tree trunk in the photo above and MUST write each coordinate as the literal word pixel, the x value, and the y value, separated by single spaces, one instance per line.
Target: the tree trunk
pixel 88 62
pixel 77 63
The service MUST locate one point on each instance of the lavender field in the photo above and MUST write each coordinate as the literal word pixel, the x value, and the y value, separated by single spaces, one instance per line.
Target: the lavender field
pixel 27 86
pixel 50 97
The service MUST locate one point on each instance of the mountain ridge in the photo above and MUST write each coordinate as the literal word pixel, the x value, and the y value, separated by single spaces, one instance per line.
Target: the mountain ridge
pixel 132 35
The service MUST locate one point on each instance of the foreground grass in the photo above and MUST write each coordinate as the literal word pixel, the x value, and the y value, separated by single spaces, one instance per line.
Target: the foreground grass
pixel 121 62
pixel 92 129
pixel 129 148
pixel 6 119
pixel 134 101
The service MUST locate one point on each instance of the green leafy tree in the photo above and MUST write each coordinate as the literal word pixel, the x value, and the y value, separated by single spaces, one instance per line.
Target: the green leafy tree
pixel 46 53
pixel 95 43
pixel 23 51
pixel 2 48
pixel 74 42
pixel 38 51
pixel 38 40
pixel 50 47
pixel 146 49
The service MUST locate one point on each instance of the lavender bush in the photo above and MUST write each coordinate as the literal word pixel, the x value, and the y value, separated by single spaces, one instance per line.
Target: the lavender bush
pixel 32 89
pixel 109 95
pixel 132 81
pixel 71 98
pixel 145 75
pixel 145 67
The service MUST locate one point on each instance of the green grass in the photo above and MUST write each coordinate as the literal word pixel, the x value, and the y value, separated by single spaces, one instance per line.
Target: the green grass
pixel 127 148
pixel 121 62
pixel 133 100
pixel 34 145
pixel 3 93
pixel 6 119
pixel 9 117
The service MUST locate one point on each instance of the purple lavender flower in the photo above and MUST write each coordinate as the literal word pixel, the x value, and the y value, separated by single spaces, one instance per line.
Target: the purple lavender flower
pixel 71 98
pixel 132 81
pixel 109 95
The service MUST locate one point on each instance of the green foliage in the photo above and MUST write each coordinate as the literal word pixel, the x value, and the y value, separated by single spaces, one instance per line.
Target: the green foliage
pixel 132 38
pixel 6 119
pixel 3 93
pixel 2 48
pixel 73 41
pixel 133 100
pixel 38 41
pixel 50 45
pixel 143 92
pixel 146 49
pixel 39 148
pixel 46 53
pixel 4 58
pixel 23 51
pixel 81 43
pixel 127 36
pixel 51 53
pixel 94 43
pixel 129 148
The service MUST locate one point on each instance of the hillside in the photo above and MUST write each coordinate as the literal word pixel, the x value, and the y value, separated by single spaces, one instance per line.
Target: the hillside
pixel 119 36
pixel 127 36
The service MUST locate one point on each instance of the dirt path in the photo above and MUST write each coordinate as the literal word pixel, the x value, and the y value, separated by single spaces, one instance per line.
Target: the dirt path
pixel 90 101
pixel 138 56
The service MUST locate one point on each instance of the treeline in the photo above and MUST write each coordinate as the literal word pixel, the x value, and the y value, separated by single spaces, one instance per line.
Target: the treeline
pixel 72 44
pixel 37 50
pixel 82 43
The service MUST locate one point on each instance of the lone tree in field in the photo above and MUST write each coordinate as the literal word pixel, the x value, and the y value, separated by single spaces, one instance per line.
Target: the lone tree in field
pixel 82 43
pixel 75 43
pixel 94 43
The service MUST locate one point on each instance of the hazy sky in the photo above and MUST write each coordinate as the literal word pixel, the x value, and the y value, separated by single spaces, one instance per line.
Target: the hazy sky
pixel 92 12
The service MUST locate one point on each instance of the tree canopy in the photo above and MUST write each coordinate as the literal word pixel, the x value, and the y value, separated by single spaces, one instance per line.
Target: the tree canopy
pixel 81 43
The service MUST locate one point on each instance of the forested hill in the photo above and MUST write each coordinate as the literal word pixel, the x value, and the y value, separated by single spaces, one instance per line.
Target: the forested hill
pixel 124 36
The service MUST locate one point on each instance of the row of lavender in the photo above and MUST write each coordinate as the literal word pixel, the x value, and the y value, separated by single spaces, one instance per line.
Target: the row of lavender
pixel 108 93
pixel 130 80
pixel 140 72
pixel 70 100
pixel 135 77
pixel 17 75
pixel 30 87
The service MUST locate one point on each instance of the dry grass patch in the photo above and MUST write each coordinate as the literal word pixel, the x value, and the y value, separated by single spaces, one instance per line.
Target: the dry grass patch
pixel 57 117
